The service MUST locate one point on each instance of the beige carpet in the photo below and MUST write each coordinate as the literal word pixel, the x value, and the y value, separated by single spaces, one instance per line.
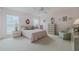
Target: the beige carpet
pixel 52 43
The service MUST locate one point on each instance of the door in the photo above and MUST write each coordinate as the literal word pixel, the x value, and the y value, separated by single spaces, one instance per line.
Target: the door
pixel 11 22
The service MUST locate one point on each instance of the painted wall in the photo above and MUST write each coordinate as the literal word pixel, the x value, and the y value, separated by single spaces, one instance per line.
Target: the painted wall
pixel 4 12
pixel 58 13
pixel 0 23
pixel 44 21
pixel 2 28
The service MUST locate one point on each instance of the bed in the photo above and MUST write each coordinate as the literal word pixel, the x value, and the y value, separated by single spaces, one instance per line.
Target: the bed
pixel 34 35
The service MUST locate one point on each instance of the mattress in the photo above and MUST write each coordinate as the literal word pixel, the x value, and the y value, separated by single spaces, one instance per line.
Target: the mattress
pixel 35 34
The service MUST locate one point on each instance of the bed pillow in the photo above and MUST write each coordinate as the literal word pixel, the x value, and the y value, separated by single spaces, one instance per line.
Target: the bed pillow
pixel 29 28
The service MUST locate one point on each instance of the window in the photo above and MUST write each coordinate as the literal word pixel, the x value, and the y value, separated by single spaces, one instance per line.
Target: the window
pixel 12 22
pixel 36 22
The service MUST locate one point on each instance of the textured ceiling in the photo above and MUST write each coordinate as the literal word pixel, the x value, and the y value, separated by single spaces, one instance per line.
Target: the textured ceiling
pixel 29 9
pixel 41 10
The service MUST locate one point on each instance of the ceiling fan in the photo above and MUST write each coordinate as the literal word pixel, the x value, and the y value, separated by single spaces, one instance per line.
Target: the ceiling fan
pixel 43 10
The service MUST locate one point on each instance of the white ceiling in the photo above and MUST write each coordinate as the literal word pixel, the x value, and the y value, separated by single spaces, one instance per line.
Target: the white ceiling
pixel 28 9
pixel 38 11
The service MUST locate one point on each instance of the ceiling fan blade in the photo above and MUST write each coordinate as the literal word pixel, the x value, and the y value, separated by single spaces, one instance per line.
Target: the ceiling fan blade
pixel 42 9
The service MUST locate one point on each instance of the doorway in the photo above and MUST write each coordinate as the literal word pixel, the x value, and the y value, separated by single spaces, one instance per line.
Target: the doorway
pixel 11 22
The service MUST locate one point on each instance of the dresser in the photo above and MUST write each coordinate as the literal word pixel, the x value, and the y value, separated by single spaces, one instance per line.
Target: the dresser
pixel 75 37
pixel 52 29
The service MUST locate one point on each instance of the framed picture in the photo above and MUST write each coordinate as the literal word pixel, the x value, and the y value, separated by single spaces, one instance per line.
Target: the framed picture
pixel 64 18
pixel 70 18
pixel 52 20
pixel 27 21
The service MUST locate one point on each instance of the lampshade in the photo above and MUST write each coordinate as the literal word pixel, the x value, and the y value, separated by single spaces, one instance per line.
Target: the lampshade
pixel 76 22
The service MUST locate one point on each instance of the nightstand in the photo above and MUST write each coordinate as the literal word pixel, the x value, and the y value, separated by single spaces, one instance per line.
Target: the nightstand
pixel 16 33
